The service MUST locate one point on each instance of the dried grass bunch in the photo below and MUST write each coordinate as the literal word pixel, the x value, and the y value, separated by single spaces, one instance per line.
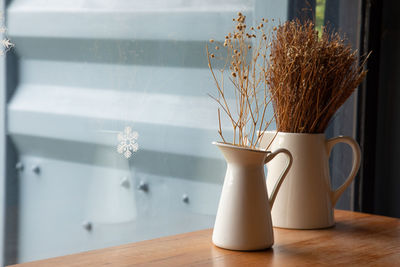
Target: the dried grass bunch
pixel 244 55
pixel 310 77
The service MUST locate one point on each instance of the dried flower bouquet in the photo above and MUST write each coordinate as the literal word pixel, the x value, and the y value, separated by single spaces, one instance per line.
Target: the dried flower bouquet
pixel 246 60
pixel 310 76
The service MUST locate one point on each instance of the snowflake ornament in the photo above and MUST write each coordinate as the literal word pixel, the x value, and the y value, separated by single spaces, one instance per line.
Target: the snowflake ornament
pixel 5 43
pixel 127 142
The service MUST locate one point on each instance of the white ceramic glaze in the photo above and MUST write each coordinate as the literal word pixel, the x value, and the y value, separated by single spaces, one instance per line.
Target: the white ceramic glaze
pixel 306 199
pixel 243 219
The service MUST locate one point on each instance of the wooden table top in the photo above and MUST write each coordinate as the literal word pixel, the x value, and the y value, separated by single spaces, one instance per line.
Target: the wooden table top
pixel 356 239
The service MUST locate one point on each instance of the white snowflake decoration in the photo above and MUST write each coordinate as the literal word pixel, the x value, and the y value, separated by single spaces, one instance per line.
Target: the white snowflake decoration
pixel 127 142
pixel 5 43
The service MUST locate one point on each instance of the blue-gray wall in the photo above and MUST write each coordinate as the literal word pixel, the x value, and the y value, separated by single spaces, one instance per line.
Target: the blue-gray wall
pixel 80 73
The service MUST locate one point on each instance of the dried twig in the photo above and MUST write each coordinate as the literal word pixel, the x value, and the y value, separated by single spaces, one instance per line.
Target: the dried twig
pixel 248 67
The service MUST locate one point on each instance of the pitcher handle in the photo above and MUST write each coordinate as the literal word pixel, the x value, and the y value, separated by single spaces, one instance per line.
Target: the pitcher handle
pixel 283 175
pixel 335 194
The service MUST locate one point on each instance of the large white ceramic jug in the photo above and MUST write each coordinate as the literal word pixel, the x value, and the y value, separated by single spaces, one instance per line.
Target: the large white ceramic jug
pixel 306 199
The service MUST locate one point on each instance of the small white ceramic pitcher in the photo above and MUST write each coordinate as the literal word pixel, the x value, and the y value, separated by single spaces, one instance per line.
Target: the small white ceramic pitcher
pixel 306 199
pixel 243 219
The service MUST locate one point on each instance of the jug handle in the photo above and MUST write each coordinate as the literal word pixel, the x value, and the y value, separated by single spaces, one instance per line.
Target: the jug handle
pixel 283 175
pixel 335 194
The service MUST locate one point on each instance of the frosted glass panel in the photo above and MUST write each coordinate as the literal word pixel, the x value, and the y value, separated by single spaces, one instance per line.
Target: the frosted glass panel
pixel 91 82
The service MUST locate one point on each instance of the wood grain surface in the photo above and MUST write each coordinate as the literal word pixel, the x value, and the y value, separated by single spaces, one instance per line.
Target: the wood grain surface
pixel 357 239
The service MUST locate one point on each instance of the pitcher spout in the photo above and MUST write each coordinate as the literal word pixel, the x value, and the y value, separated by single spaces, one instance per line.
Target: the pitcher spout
pixel 242 155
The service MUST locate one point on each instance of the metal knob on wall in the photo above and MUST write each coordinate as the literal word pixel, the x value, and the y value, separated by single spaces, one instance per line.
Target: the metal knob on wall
pixel 87 225
pixel 185 198
pixel 36 169
pixel 19 166
pixel 125 182
pixel 143 186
